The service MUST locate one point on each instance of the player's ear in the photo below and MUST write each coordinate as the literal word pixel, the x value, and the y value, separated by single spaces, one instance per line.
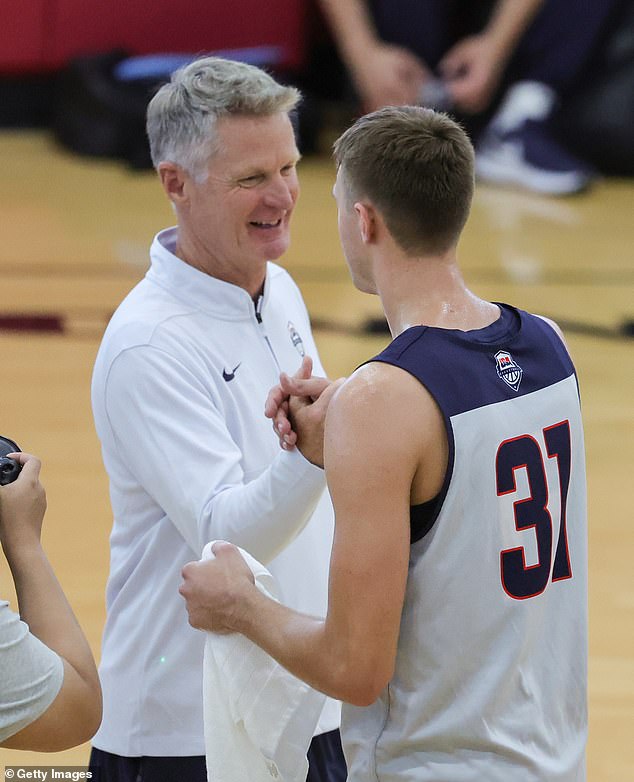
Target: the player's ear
pixel 366 220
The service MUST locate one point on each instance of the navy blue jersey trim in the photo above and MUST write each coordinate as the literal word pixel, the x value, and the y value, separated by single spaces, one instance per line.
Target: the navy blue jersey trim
pixel 518 354
pixel 464 370
pixel 422 518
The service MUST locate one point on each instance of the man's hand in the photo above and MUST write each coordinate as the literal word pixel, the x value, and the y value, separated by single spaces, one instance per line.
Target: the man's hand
pixel 217 590
pixel 276 405
pixel 473 67
pixel 298 407
pixel 472 70
pixel 277 396
pixel 388 75
pixel 308 392
pixel 22 507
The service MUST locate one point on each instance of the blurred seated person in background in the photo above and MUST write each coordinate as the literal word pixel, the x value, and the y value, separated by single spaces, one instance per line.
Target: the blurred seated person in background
pixel 50 698
pixel 506 62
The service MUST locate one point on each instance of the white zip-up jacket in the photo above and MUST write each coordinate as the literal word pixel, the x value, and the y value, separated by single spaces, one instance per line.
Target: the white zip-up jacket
pixel 178 395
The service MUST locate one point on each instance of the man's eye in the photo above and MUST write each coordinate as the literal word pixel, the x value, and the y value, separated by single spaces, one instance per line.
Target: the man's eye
pixel 250 181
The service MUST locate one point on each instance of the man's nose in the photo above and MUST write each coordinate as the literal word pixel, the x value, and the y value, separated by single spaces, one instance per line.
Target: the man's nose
pixel 281 192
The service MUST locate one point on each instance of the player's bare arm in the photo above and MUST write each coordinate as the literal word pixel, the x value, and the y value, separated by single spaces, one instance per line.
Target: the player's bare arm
pixel 374 474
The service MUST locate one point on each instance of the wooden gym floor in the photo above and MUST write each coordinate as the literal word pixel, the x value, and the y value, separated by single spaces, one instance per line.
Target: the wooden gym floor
pixel 75 235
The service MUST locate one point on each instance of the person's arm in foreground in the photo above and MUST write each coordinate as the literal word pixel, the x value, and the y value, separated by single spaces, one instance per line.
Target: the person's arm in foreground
pixel 75 714
pixel 474 66
pixel 384 74
pixel 372 454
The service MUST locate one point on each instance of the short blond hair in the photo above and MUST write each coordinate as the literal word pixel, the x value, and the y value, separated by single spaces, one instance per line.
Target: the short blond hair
pixel 417 167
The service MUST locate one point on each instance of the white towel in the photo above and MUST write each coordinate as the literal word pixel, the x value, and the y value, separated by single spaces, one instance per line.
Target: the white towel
pixel 259 719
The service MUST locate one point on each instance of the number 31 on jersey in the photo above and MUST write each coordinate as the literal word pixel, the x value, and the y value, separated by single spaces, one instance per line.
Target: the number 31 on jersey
pixel 520 580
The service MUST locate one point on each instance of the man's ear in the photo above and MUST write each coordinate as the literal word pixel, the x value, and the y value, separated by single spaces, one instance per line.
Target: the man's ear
pixel 366 220
pixel 173 179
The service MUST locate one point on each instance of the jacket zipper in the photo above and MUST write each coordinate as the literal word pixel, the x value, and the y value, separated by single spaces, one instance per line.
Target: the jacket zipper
pixel 258 317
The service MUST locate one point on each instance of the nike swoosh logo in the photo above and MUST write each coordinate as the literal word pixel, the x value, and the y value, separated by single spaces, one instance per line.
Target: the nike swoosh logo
pixel 227 376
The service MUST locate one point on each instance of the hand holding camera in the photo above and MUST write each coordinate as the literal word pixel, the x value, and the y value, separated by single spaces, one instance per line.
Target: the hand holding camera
pixel 9 468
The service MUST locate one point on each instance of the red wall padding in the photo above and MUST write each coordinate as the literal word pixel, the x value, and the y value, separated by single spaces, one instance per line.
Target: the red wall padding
pixel 45 34
pixel 22 26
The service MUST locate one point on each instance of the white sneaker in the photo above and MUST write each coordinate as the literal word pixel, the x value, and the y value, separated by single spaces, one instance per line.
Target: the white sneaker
pixel 517 149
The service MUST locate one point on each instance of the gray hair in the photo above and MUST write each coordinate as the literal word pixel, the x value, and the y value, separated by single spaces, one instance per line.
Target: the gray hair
pixel 182 115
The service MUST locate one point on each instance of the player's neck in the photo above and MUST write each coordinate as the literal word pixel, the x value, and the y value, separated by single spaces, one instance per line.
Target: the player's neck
pixel 431 292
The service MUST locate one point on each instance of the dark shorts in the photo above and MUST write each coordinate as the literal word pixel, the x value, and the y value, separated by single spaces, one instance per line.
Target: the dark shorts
pixel 106 767
pixel 325 760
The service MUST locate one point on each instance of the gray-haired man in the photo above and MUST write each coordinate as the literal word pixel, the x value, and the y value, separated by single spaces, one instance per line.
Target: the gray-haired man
pixel 178 394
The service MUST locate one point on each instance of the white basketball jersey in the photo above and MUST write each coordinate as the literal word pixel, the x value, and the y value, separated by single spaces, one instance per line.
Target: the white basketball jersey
pixel 490 679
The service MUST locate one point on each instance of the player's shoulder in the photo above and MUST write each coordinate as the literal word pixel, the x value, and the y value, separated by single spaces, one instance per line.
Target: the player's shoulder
pixel 554 326
pixel 385 412
pixel 377 389
pixel 376 377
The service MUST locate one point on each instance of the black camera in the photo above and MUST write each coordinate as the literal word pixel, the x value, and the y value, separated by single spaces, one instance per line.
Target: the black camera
pixel 9 468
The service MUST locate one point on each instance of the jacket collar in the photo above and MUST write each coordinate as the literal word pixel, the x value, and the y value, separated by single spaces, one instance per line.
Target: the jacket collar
pixel 194 287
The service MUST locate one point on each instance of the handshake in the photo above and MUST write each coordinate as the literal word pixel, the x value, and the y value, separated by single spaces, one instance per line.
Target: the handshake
pixel 297 407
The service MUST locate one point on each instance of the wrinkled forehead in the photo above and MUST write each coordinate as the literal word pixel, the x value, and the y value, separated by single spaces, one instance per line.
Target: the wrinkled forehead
pixel 246 129
pixel 254 140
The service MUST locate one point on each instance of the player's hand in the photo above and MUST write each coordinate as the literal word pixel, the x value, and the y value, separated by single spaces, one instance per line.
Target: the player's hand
pixel 276 406
pixel 22 506
pixel 307 418
pixel 216 590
